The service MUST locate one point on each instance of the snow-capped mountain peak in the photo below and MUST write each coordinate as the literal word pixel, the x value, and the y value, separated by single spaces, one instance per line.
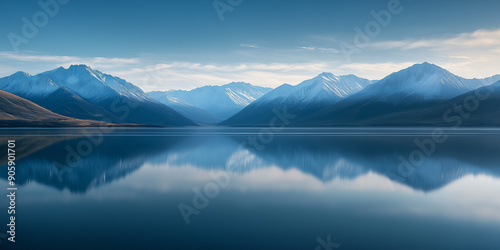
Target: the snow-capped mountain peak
pixel 326 87
pixel 233 94
pixel 220 101
pixel 93 84
pixel 20 74
pixel 82 80
pixel 424 81
pixel 242 94
pixel 24 84
pixel 165 98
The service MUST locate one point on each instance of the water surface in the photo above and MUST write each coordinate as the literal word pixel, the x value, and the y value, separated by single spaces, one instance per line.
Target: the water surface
pixel 359 188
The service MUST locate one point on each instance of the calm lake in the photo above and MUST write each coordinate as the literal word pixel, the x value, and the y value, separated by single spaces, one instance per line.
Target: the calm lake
pixel 240 188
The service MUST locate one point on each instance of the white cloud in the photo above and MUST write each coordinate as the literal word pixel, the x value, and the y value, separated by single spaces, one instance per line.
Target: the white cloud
pixel 471 55
pixel 35 63
pixel 327 50
pixel 185 75
pixel 479 39
pixel 151 75
pixel 248 45
pixel 67 59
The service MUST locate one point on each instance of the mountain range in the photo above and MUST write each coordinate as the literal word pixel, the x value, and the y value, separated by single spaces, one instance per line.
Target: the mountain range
pixel 421 95
pixel 211 104
pixel 83 93
pixel 406 94
pixel 322 91
pixel 417 96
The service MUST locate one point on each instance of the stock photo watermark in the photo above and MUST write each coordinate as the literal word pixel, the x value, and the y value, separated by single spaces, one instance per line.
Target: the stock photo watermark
pixel 427 147
pixel 364 36
pixel 201 200
pixel 326 244
pixel 31 26
pixel 223 6
pixel 93 138
pixel 221 180
pixel 266 135
pixel 11 189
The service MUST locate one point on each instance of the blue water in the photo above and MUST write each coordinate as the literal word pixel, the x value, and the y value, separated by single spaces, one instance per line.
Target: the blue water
pixel 252 189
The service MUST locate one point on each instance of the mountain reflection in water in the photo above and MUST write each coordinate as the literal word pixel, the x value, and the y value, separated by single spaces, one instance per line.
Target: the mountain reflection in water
pixel 55 161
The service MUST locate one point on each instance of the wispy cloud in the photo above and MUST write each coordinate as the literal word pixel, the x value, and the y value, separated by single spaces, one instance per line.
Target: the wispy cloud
pixel 186 75
pixel 249 45
pixel 456 57
pixel 328 50
pixel 479 39
pixel 151 74
pixel 66 59
pixel 472 54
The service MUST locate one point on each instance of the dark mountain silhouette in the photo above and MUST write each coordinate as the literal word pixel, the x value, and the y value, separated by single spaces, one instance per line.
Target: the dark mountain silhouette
pixel 18 112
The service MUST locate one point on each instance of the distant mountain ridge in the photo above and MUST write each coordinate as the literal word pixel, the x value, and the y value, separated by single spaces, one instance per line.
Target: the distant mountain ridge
pixel 198 115
pixel 220 102
pixel 323 90
pixel 325 87
pixel 84 93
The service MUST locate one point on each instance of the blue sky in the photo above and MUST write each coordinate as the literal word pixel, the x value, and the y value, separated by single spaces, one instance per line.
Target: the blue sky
pixel 161 45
